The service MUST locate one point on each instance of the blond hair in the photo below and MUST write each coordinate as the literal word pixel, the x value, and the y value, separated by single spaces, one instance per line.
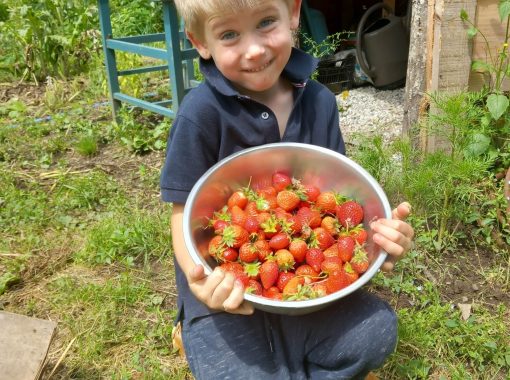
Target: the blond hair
pixel 195 12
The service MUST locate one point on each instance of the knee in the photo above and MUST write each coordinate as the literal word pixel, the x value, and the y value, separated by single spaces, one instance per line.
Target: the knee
pixel 380 337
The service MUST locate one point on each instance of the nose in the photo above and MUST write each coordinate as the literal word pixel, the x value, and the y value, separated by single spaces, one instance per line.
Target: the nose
pixel 254 49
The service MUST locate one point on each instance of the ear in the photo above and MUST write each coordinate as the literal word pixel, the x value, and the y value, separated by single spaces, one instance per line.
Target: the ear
pixel 295 12
pixel 199 45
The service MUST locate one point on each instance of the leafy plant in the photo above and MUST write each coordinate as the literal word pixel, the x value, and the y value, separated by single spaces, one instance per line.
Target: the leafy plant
pixel 495 138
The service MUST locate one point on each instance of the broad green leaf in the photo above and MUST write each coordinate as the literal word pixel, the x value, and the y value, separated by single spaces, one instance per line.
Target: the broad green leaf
pixel 478 145
pixel 471 32
pixel 497 105
pixel 463 15
pixel 504 9
pixel 480 66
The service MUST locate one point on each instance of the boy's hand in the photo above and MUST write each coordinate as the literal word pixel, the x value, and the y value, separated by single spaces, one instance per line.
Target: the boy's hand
pixel 219 290
pixel 395 236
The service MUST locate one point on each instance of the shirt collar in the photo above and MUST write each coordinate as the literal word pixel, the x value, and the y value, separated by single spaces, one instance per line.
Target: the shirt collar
pixel 300 67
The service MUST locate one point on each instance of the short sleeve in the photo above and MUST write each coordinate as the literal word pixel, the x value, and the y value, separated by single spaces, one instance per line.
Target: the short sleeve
pixel 191 151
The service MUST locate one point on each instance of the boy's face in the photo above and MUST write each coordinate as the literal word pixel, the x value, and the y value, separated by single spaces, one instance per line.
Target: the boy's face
pixel 251 47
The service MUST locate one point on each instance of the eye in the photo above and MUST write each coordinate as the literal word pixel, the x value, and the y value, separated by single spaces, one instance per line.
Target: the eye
pixel 266 22
pixel 228 35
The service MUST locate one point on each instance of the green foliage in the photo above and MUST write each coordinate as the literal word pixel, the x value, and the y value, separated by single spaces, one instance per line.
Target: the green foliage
pixel 448 188
pixel 495 139
pixel 61 38
pixel 114 318
pixel 138 134
pixel 87 146
pixel 128 236
pixel 437 336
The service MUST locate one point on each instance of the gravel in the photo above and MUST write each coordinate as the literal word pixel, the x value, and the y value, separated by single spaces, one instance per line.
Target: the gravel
pixel 365 110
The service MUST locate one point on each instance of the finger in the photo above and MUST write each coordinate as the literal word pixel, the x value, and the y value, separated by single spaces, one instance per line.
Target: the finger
pixel 395 250
pixel 196 273
pixel 388 265
pixel 402 211
pixel 392 228
pixel 235 302
pixel 204 288
pixel 222 291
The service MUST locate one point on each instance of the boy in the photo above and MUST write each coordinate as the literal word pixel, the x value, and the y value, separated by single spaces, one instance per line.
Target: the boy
pixel 257 91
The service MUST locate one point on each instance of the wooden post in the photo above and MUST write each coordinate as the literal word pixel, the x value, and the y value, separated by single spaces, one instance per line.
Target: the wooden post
pixel 414 100
pixel 445 65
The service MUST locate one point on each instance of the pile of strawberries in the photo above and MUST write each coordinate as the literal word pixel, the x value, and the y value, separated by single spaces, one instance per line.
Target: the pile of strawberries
pixel 288 240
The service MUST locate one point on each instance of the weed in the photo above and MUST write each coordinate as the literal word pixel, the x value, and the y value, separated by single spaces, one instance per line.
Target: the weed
pixel 127 236
pixel 141 137
pixel 87 146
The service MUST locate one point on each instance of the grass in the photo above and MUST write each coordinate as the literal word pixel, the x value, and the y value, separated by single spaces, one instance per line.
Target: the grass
pixel 85 241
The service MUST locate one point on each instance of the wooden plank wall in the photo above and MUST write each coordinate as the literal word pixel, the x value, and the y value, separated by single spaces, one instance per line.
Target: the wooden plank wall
pixel 488 22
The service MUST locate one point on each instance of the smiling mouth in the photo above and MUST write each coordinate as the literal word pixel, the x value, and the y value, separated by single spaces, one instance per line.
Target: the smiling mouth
pixel 256 70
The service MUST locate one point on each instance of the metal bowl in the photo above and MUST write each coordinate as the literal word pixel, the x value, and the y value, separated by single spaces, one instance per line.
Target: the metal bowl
pixel 319 166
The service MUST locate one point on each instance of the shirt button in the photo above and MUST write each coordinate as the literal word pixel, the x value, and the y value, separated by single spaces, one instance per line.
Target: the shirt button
pixel 265 115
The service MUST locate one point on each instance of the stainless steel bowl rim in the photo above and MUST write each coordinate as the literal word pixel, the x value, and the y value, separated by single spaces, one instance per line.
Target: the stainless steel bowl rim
pixel 291 304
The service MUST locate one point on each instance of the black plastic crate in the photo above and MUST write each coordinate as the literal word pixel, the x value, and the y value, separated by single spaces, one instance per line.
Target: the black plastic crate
pixel 337 75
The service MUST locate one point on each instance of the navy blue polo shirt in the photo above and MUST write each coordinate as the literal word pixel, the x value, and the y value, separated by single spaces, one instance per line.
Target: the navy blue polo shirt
pixel 215 121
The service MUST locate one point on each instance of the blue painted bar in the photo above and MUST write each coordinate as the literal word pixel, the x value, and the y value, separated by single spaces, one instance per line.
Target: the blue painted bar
pixel 156 37
pixel 144 104
pixel 109 56
pixel 141 70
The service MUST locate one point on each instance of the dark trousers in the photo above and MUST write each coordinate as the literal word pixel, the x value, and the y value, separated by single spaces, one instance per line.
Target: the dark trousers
pixel 343 341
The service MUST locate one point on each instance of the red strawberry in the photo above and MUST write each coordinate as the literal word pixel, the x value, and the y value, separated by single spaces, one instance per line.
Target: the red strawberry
pixel 330 264
pixel 295 224
pixel 273 292
pixel 248 253
pixel 326 202
pixel 293 286
pixel 284 259
pixel 287 200
pixel 319 288
pixel 229 254
pixel 349 214
pixel 254 287
pixel 216 247
pixel 281 180
pixel 219 225
pixel 309 217
pixel 268 273
pixel 279 241
pixel 234 236
pixel 336 281
pixel 359 261
pixel 238 198
pixel 237 270
pixel 307 272
pixel 345 246
pixel 314 258
pixel 351 274
pixel 238 215
pixel 298 249
pixel 252 270
pixel 322 238
pixel 330 224
pixel 332 251
pixel 262 248
pixel 311 192
pixel 359 234
pixel 251 208
pixel 283 279
pixel 251 224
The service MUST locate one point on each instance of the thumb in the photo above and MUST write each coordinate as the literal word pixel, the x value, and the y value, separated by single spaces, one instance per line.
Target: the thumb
pixel 402 211
pixel 196 273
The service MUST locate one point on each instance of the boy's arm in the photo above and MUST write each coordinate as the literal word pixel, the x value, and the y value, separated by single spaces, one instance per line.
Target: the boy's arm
pixel 219 290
